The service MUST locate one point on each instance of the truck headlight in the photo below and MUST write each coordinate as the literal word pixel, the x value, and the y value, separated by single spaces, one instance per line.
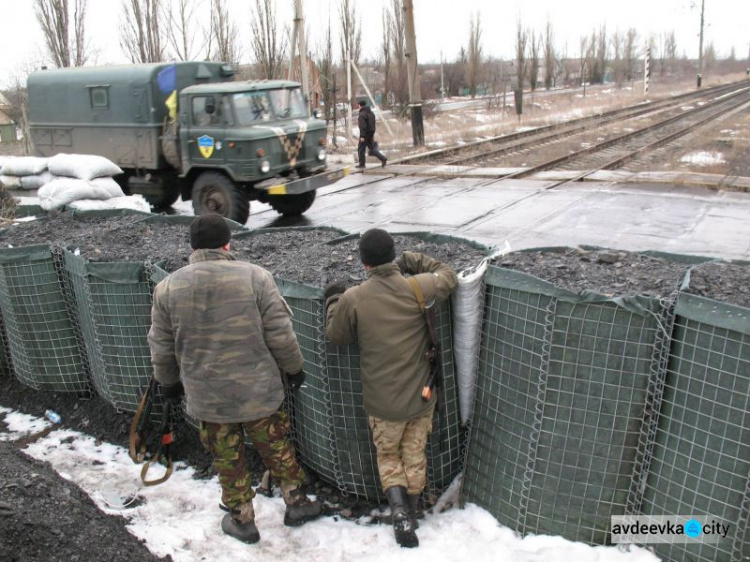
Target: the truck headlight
pixel 321 154
pixel 265 166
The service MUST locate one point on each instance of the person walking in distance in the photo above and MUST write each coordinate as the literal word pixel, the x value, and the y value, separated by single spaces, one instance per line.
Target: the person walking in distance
pixel 222 331
pixel 383 314
pixel 367 136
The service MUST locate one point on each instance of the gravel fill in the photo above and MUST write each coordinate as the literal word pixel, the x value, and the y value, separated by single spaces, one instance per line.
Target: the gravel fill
pixel 721 281
pixel 291 256
pixel 296 255
pixel 606 272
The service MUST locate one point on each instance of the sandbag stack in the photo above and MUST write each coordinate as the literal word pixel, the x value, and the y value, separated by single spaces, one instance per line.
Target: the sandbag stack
pixel 81 181
pixel 24 172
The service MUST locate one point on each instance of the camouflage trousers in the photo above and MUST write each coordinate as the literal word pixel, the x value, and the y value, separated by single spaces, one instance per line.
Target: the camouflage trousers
pixel 401 451
pixel 270 436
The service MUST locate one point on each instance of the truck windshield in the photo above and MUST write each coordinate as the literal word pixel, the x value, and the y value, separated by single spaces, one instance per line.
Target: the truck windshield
pixel 269 105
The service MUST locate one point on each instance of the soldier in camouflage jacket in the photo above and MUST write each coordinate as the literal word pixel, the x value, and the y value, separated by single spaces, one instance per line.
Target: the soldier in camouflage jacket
pixel 221 328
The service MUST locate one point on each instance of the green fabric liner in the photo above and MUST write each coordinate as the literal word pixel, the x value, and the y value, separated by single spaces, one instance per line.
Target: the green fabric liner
pixel 599 354
pixel 512 279
pixel 701 461
pixel 714 313
pixel 121 273
pixel 39 252
pixel 76 267
pixel 41 325
pixel 293 289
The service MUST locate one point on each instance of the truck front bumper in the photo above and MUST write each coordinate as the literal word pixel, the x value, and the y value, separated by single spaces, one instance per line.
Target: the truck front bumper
pixel 303 185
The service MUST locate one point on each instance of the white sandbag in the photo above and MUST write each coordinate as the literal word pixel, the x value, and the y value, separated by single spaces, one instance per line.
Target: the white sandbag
pixel 24 166
pixel 36 181
pixel 82 166
pixel 109 185
pixel 468 306
pixel 11 182
pixel 62 191
pixel 134 202
pixel 3 159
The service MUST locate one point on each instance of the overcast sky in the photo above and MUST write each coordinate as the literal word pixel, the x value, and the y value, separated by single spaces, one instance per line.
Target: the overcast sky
pixel 441 25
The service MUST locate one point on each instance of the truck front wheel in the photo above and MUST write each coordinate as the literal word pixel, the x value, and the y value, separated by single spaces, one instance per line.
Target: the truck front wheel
pixel 292 205
pixel 216 193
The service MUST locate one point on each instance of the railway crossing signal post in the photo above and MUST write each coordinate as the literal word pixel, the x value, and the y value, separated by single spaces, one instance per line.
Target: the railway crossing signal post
pixel 646 69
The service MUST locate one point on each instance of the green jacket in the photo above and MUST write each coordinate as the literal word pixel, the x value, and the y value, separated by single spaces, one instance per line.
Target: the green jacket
pixel 382 314
pixel 222 327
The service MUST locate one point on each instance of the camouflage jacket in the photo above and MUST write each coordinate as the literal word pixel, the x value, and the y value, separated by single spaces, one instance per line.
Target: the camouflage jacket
pixel 223 328
pixel 382 314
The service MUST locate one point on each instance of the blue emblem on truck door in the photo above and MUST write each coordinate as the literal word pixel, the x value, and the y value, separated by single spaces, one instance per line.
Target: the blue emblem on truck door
pixel 206 146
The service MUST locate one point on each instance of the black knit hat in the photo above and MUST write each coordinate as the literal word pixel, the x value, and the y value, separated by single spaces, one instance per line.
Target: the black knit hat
pixel 362 103
pixel 209 231
pixel 376 247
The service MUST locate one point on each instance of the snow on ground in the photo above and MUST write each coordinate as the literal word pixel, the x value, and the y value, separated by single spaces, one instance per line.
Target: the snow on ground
pixel 182 518
pixel 703 158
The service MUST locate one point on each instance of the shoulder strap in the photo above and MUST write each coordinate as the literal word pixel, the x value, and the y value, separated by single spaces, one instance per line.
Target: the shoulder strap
pixel 417 292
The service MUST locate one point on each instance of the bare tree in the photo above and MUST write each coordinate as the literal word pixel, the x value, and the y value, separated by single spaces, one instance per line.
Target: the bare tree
pixel 534 61
pixel 617 47
pixel 385 50
pixel 141 35
pixel 183 31
pixel 475 53
pixel 398 83
pixel 268 44
pixel 549 56
pixel 63 47
pixel 327 72
pixel 630 53
pixel 223 35
pixel 351 37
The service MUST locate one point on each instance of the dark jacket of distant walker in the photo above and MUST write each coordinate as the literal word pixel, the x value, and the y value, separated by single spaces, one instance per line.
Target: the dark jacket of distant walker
pixel 222 326
pixel 366 123
pixel 383 315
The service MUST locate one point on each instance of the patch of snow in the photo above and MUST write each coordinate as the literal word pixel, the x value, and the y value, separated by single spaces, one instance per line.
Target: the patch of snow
pixel 703 158
pixel 181 517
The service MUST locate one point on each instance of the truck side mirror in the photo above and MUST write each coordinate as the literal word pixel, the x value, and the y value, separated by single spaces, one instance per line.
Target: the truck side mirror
pixel 316 113
pixel 210 106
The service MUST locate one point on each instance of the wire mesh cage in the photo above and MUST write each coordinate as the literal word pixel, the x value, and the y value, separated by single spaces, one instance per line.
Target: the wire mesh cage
pixel 44 339
pixel 6 367
pixel 700 464
pixel 560 402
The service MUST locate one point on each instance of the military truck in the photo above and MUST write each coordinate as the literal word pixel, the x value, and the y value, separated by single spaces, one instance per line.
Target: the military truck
pixel 187 129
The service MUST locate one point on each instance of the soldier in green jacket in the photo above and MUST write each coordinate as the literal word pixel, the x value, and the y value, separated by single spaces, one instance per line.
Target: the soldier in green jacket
pixel 221 329
pixel 384 316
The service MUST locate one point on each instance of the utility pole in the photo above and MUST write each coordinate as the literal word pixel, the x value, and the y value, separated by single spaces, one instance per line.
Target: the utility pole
pixel 700 47
pixel 412 70
pixel 348 92
pixel 299 33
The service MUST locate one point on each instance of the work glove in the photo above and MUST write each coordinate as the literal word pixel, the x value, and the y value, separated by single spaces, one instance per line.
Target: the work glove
pixel 295 380
pixel 172 394
pixel 335 288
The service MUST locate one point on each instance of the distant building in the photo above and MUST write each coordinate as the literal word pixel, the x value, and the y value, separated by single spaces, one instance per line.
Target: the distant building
pixel 7 125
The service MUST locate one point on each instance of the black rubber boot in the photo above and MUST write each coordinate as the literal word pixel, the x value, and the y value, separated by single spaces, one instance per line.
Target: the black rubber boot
pixel 240 524
pixel 402 526
pixel 299 508
pixel 414 512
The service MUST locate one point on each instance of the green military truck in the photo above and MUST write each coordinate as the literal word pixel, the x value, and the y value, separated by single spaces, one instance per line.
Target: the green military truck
pixel 187 129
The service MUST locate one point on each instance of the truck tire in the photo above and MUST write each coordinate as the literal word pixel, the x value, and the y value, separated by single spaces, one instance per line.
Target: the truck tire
pixel 216 193
pixel 292 205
